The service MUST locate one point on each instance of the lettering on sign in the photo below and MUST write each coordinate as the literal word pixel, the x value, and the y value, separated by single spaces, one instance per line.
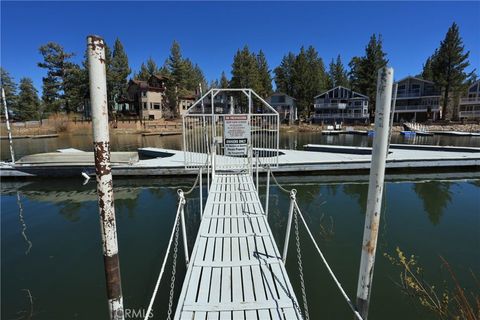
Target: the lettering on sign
pixel 236 135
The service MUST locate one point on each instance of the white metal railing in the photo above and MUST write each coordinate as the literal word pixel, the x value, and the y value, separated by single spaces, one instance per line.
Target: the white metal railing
pixel 470 100
pixel 469 114
pixel 230 131
pixel 416 108
pixel 340 115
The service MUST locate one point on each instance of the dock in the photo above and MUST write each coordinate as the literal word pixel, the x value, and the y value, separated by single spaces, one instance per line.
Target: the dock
pixel 235 270
pixel 319 159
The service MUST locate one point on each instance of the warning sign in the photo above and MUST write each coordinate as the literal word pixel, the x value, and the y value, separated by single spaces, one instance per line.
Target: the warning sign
pixel 236 135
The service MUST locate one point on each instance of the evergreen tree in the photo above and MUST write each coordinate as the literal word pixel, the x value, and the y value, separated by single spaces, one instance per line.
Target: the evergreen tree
pixel 119 70
pixel 353 74
pixel 56 62
pixel 224 81
pixel 147 70
pixel 10 88
pixel 337 75
pixel 245 70
pixel 284 74
pixel 264 75
pixel 28 102
pixel 308 78
pixel 449 66
pixel 427 72
pixel 365 70
pixel 178 67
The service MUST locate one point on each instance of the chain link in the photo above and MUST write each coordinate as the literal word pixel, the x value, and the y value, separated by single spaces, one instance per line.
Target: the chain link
pixel 174 271
pixel 300 267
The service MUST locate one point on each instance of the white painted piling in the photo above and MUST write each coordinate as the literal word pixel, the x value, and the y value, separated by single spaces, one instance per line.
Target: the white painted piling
pixel 293 194
pixel 101 143
pixel 9 130
pixel 375 189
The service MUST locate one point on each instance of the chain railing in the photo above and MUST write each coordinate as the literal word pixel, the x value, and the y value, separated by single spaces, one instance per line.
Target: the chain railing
pixel 179 221
pixel 294 210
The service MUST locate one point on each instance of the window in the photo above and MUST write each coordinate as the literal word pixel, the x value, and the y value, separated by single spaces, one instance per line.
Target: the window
pixel 144 93
pixel 156 106
pixel 144 105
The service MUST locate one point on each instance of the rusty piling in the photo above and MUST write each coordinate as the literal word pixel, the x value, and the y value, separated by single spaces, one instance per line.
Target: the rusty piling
pixel 101 144
pixel 375 189
pixel 9 130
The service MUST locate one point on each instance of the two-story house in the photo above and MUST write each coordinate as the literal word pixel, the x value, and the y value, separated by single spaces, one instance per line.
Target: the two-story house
pixel 469 107
pixel 418 100
pixel 340 104
pixel 148 97
pixel 285 106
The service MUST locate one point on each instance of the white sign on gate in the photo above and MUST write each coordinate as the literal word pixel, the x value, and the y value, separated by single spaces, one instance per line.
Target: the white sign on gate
pixel 236 135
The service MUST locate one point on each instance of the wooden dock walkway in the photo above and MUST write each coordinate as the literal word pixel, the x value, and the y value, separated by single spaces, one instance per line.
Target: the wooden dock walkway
pixel 235 270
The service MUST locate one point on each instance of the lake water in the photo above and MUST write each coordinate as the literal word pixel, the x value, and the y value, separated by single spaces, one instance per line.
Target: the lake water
pixel 51 245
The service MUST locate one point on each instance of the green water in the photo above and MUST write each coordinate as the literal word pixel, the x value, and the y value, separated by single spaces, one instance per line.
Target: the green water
pixel 63 268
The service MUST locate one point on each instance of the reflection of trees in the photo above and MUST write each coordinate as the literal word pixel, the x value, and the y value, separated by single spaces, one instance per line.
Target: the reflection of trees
pixel 435 196
pixel 475 183
pixel 70 210
pixel 358 192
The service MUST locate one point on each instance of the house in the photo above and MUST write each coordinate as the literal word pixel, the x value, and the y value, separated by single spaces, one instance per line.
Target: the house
pixel 148 97
pixel 418 100
pixel 185 101
pixel 469 107
pixel 285 106
pixel 341 104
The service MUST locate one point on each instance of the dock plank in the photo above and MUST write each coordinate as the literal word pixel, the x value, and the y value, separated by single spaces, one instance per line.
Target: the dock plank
pixel 236 270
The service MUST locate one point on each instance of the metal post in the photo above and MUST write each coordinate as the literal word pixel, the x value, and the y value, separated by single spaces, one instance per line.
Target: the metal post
pixel 293 193
pixel 256 171
pixel 208 174
pixel 214 152
pixel 9 130
pixel 101 143
pixel 184 232
pixel 267 193
pixel 201 193
pixel 375 189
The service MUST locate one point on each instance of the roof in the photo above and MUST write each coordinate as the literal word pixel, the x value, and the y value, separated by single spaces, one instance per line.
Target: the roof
pixel 415 78
pixel 341 87
pixel 281 94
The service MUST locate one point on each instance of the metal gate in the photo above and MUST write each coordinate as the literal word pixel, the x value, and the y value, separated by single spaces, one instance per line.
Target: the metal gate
pixel 227 128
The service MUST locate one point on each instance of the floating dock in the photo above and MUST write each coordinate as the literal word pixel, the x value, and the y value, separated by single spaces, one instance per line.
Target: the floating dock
pixel 321 159
pixel 236 270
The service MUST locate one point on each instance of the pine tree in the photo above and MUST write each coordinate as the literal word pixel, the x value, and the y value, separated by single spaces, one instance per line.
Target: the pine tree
pixel 353 74
pixel 284 74
pixel 245 70
pixel 10 87
pixel 147 70
pixel 119 70
pixel 264 75
pixel 56 62
pixel 449 66
pixel 224 81
pixel 28 102
pixel 366 70
pixel 427 70
pixel 337 75
pixel 177 66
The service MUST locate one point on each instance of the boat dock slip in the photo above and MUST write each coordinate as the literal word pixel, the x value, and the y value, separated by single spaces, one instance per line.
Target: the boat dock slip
pixel 235 270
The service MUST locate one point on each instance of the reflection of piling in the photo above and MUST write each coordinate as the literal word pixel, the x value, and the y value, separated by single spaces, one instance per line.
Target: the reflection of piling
pixel 101 143
pixel 375 189
pixel 9 130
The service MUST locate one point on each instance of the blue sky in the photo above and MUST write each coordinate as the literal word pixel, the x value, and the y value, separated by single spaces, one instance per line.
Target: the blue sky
pixel 211 32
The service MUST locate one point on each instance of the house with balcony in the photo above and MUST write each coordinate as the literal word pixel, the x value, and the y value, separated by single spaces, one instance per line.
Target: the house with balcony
pixel 285 106
pixel 341 104
pixel 185 101
pixel 418 100
pixel 469 107
pixel 148 97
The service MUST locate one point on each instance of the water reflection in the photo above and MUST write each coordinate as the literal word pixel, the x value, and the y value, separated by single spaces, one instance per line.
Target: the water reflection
pixel 359 192
pixel 435 197
pixel 23 224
